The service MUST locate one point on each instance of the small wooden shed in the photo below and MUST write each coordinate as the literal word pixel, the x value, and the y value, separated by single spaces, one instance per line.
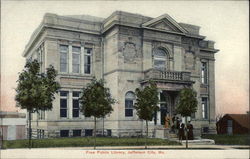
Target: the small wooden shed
pixel 234 124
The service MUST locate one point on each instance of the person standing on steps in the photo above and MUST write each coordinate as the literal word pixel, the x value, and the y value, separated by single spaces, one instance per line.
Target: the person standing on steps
pixel 190 131
pixel 181 132
pixel 178 125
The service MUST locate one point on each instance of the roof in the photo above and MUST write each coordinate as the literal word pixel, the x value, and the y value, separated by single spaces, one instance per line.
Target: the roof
pixel 242 119
pixel 86 17
pixel 166 16
pixel 97 25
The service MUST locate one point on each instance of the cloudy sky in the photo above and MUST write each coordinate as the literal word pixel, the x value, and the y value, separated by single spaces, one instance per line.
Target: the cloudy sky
pixel 225 22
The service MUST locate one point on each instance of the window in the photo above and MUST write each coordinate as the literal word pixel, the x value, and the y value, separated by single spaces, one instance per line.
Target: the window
pixel 109 132
pixel 204 73
pixel 204 108
pixel 64 58
pixel 193 115
pixel 129 102
pixel 230 123
pixel 40 54
pixel 40 133
pixel 160 59
pixel 205 129
pixel 76 59
pixel 63 104
pixel 28 131
pixel 31 116
pixel 76 104
pixel 76 133
pixel 88 132
pixel 41 114
pixel 87 60
pixel 64 133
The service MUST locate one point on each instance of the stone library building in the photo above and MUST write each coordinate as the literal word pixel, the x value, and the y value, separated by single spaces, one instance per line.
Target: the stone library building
pixel 127 50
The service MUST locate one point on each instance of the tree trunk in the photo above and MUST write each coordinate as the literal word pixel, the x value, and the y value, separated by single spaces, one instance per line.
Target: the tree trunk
pixel 95 134
pixel 29 129
pixel 103 126
pixel 146 134
pixel 186 132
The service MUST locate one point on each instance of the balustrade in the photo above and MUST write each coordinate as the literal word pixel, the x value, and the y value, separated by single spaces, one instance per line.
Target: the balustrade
pixel 168 75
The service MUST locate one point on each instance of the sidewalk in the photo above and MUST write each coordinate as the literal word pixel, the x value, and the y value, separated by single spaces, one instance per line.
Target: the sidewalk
pixel 173 147
pixel 168 147
pixel 130 152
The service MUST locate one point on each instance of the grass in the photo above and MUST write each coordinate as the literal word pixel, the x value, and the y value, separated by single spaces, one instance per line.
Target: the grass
pixel 229 139
pixel 86 141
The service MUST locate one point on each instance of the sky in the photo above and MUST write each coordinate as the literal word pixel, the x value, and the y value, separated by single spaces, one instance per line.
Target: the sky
pixel 225 22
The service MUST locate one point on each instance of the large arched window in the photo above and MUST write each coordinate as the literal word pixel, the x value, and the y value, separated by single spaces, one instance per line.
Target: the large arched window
pixel 129 102
pixel 160 59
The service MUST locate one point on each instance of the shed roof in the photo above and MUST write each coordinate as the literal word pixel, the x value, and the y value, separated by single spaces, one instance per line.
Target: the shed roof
pixel 242 119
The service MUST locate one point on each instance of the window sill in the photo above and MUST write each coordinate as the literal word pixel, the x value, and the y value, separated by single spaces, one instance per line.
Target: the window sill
pixel 71 75
pixel 204 85
pixel 129 117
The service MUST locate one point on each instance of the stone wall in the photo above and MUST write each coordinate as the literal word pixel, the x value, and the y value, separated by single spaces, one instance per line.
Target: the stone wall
pixel 122 51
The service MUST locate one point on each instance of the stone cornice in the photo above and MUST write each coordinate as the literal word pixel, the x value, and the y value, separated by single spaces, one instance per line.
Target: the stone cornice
pixel 146 38
pixel 43 27
pixel 122 13
pixel 61 27
pixel 165 31
pixel 35 35
pixel 111 21
pixel 210 50
pixel 168 81
pixel 116 22
pixel 54 38
pixel 122 70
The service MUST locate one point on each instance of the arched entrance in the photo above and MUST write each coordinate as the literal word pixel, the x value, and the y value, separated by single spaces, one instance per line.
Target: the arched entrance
pixel 167 106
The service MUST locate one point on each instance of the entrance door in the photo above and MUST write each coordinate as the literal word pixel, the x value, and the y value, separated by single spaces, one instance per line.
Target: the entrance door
pixel 11 132
pixel 165 104
pixel 229 127
pixel 167 99
pixel 163 107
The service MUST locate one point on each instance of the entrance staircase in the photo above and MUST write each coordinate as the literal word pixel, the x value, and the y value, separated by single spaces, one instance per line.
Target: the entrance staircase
pixel 166 133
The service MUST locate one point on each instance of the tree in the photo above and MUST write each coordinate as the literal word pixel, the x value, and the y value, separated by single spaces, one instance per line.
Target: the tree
pixel 35 91
pixel 218 118
pixel 146 104
pixel 96 101
pixel 187 105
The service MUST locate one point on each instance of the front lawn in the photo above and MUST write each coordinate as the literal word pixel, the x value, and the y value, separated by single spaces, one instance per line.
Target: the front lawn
pixel 86 141
pixel 229 139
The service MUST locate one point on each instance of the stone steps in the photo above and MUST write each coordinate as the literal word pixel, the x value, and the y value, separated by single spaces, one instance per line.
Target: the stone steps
pixel 172 136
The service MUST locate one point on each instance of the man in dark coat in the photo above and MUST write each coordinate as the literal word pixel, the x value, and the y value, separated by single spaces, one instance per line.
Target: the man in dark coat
pixel 181 132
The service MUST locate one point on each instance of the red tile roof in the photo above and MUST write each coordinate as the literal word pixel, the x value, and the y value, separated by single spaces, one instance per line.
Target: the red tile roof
pixel 242 119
